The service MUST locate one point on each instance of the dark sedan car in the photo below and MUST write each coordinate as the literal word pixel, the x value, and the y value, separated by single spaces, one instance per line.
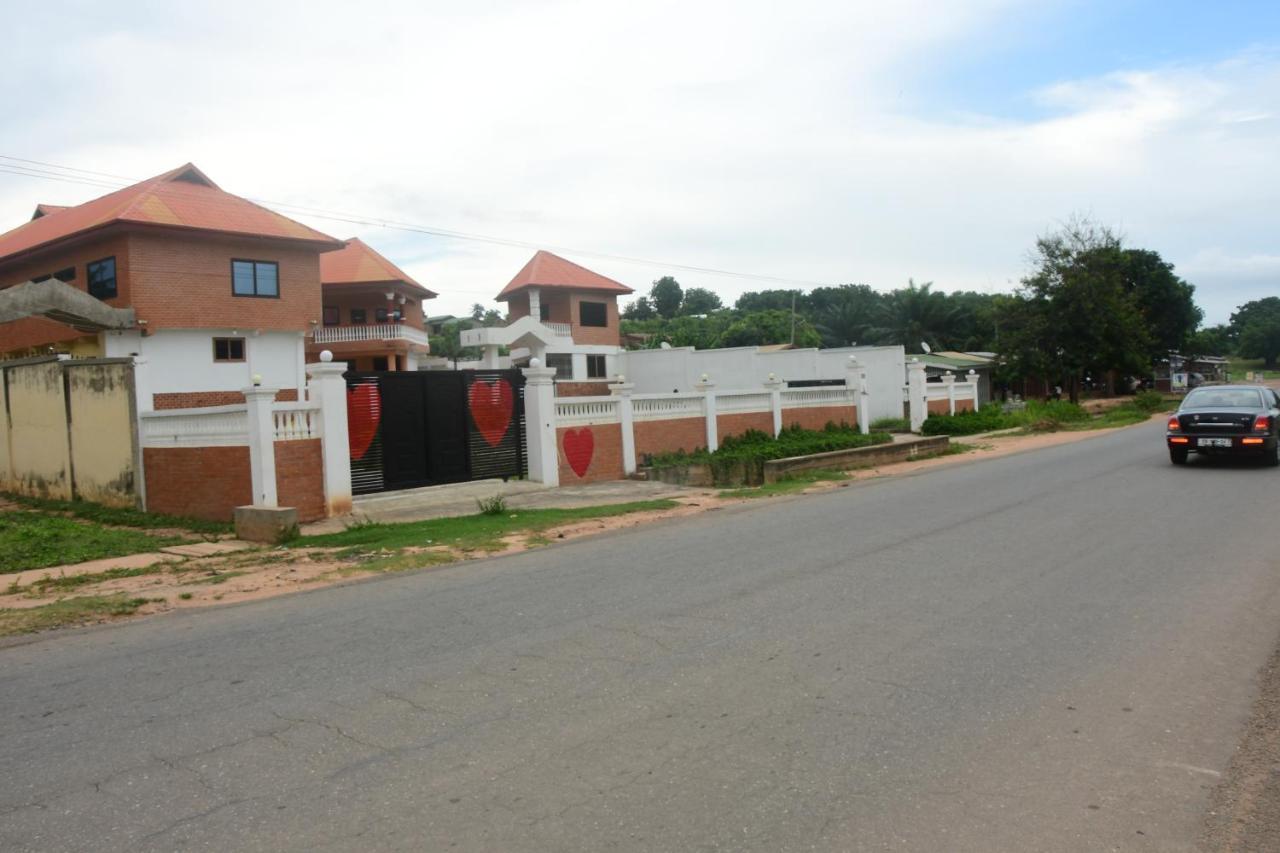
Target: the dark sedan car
pixel 1237 419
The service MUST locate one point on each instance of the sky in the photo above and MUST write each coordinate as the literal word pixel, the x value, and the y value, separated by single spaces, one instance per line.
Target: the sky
pixel 808 142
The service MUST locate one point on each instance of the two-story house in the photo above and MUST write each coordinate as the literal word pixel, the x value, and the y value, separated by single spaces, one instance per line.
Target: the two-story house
pixel 564 314
pixel 373 314
pixel 207 291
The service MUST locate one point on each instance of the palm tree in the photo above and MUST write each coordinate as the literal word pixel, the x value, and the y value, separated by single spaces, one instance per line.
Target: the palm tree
pixel 916 314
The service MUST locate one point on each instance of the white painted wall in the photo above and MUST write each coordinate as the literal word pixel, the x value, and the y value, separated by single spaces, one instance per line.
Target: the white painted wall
pixel 181 360
pixel 659 371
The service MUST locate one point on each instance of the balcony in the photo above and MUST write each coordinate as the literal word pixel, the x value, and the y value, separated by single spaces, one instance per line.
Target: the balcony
pixel 564 330
pixel 369 332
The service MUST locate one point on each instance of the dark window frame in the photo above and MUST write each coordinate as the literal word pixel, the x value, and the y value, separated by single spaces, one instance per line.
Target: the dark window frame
pixel 604 315
pixel 381 315
pixel 66 275
pixel 561 357
pixel 256 263
pixel 363 316
pixel 93 287
pixel 230 359
pixel 336 315
pixel 544 313
pixel 597 359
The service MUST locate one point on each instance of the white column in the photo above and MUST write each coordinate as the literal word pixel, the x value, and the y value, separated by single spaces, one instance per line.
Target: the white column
pixel 328 390
pixel 949 380
pixel 622 390
pixel 540 423
pixel 973 379
pixel 708 390
pixel 917 394
pixel 855 379
pixel 535 304
pixel 262 444
pixel 774 384
pixel 142 384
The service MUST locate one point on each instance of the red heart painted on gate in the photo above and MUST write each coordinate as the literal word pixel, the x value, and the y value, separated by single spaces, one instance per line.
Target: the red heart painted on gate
pixel 491 404
pixel 364 413
pixel 579 447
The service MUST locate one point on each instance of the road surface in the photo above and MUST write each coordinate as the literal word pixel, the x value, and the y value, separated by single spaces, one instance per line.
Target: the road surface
pixel 1051 651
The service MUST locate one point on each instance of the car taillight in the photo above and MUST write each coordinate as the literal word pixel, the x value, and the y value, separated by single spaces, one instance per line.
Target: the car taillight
pixel 1262 423
pixel 1174 426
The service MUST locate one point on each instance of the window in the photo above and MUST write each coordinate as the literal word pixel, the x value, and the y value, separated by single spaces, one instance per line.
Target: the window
pixel 69 274
pixel 357 317
pixel 255 278
pixel 380 315
pixel 544 313
pixel 332 316
pixel 102 278
pixel 562 363
pixel 228 349
pixel 593 314
pixel 379 362
pixel 595 367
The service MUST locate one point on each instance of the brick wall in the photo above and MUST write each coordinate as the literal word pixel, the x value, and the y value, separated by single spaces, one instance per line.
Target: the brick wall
pixel 202 482
pixel 39 332
pixel 608 334
pixel 300 477
pixel 200 399
pixel 738 423
pixel 818 417
pixel 582 389
pixel 184 281
pixel 604 462
pixel 940 407
pixel 964 405
pixel 668 436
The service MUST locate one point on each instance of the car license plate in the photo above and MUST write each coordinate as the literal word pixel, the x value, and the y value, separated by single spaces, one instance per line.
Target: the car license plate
pixel 1213 442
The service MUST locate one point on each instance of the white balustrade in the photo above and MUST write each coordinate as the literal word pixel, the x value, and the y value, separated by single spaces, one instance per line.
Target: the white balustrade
pixel 744 401
pixel 296 421
pixel 369 332
pixel 214 426
pixel 661 407
pixel 586 411
pixel 813 398
pixel 564 330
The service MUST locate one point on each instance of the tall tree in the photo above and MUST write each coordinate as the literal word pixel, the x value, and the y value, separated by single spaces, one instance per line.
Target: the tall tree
pixel 773 300
pixel 914 315
pixel 640 309
pixel 699 300
pixel 844 315
pixel 1167 303
pixel 666 296
pixel 770 327
pixel 1257 328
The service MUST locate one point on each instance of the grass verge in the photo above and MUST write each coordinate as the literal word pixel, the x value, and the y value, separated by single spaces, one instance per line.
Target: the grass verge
pixel 119 516
pixel 34 540
pixel 468 532
pixel 69 611
pixel 795 483
pixel 1039 416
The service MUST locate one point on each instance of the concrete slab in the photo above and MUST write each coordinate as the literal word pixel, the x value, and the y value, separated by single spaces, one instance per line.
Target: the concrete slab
pixel 92 567
pixel 208 549
pixel 460 499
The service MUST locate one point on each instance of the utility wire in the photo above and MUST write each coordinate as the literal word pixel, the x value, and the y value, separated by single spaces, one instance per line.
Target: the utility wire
pixel 70 174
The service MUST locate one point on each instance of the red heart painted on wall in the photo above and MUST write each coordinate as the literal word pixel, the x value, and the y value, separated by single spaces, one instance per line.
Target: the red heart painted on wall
pixel 491 404
pixel 579 447
pixel 364 413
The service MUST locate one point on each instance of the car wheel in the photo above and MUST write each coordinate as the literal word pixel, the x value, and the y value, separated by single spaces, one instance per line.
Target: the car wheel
pixel 1178 455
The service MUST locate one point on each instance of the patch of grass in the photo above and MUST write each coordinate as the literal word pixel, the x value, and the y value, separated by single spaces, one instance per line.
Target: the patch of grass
pixel 741 458
pixel 794 483
pixel 468 531
pixel 65 583
pixel 1238 367
pixel 33 540
pixel 69 611
pixel 120 516
pixel 185 596
pixel 891 425
pixel 1038 416
pixel 495 505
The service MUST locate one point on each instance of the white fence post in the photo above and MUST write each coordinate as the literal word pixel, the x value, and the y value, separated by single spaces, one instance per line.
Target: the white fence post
pixel 973 379
pixel 540 423
pixel 708 390
pixel 855 379
pixel 917 394
pixel 622 390
pixel 774 384
pixel 262 444
pixel 327 388
pixel 949 379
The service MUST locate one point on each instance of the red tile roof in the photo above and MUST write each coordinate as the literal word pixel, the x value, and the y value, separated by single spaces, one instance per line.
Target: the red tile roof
pixel 547 270
pixel 356 263
pixel 183 198
pixel 46 209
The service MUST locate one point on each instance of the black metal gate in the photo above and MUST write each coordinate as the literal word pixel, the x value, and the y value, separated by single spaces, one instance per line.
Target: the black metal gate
pixel 428 427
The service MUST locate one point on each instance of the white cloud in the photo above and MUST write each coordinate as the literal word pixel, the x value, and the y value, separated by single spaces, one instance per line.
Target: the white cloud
pixel 748 136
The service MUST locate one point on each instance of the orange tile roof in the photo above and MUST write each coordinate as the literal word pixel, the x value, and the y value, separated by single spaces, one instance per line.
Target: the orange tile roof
pixel 46 209
pixel 183 198
pixel 547 270
pixel 357 263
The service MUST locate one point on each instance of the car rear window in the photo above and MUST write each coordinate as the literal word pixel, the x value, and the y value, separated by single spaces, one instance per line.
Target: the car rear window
pixel 1229 398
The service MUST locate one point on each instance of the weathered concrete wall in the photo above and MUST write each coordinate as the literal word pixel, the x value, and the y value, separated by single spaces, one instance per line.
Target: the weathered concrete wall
pixel 68 430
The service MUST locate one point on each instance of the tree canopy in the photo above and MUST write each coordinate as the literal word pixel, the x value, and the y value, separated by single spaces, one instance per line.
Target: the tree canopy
pixel 1257 328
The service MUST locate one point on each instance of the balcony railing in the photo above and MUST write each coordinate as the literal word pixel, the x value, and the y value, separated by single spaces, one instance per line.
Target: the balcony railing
pixel 369 332
pixel 564 330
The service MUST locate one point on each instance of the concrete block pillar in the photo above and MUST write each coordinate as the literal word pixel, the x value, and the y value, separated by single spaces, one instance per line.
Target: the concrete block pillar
pixel 535 303
pixel 949 380
pixel 262 444
pixel 622 390
pixel 707 389
pixel 917 394
pixel 327 388
pixel 855 379
pixel 972 379
pixel 774 384
pixel 540 423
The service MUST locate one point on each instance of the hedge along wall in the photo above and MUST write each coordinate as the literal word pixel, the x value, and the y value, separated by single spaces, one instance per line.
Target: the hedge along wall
pixel 740 422
pixel 669 436
pixel 818 417
pixel 590 453
pixel 941 407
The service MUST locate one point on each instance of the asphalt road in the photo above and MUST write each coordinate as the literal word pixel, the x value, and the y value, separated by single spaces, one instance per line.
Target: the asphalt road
pixel 1051 651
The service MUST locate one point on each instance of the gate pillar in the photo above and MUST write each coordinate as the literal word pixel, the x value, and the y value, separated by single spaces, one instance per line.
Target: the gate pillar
pixel 327 388
pixel 540 423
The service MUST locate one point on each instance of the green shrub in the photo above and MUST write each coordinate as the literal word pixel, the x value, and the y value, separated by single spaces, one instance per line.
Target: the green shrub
pixel 990 417
pixel 1150 401
pixel 891 425
pixel 495 505
pixel 741 458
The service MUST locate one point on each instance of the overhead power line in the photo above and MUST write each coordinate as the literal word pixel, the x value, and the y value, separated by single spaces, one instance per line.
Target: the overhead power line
pixel 70 174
